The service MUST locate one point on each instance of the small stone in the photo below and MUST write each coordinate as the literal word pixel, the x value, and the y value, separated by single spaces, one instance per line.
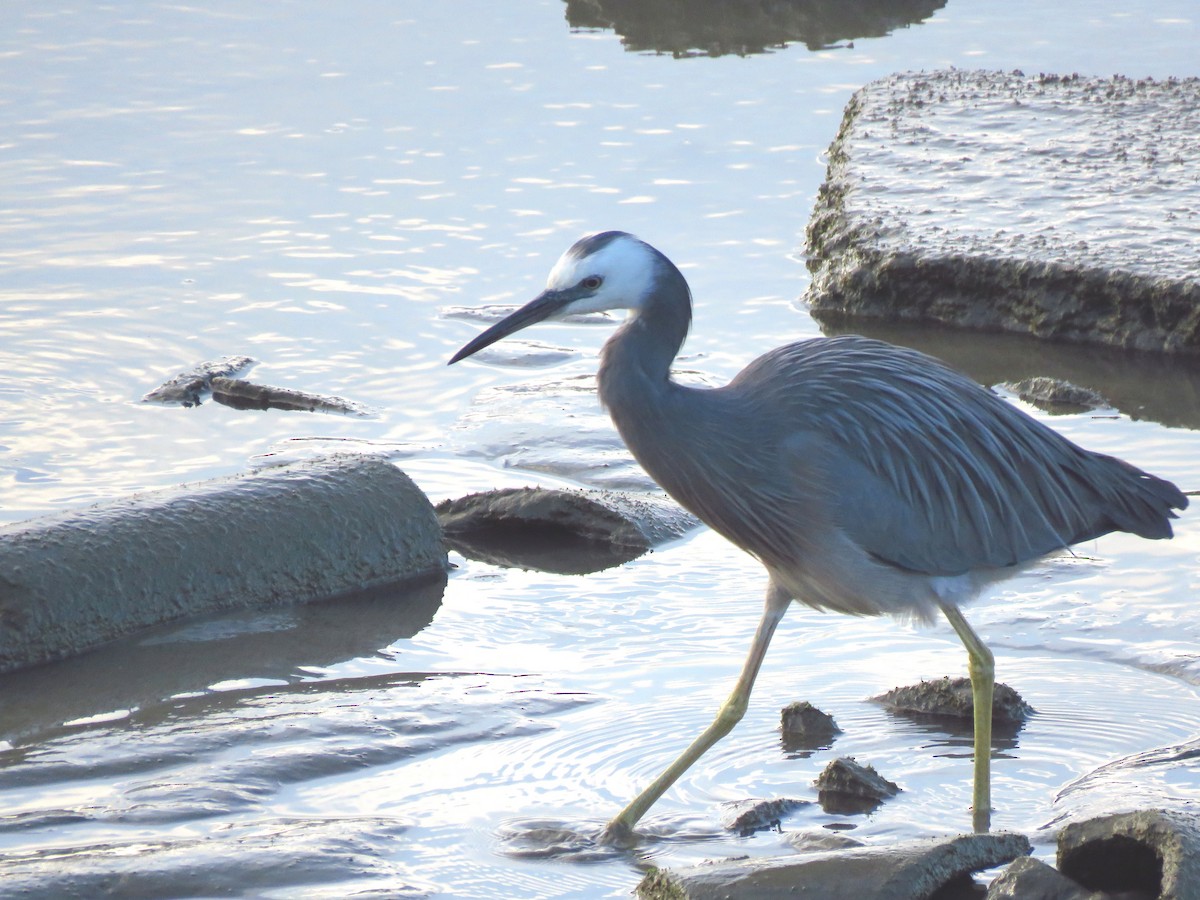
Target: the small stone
pixel 748 816
pixel 1056 395
pixel 806 728
pixel 819 841
pixel 846 786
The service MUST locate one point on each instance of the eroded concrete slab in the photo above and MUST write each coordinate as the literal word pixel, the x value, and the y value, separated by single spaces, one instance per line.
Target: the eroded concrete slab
pixel 912 870
pixel 292 534
pixel 1065 207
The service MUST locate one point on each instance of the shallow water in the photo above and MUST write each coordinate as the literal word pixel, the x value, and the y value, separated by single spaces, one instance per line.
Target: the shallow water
pixel 320 189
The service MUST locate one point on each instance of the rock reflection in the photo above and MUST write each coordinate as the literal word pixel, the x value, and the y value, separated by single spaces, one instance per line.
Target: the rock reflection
pixel 720 27
pixel 141 671
pixel 545 549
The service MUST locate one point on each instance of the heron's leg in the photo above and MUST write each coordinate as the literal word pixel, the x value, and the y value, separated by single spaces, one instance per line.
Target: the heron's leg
pixel 620 829
pixel 982 667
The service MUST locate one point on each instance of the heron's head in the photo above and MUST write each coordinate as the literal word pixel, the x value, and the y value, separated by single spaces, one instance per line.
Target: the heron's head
pixel 609 270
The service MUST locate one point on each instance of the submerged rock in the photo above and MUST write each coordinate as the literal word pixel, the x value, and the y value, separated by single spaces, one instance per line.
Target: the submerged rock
pixel 1065 207
pixel 748 816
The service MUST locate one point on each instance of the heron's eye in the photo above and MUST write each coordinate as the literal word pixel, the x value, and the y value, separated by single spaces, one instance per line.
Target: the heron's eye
pixel 592 282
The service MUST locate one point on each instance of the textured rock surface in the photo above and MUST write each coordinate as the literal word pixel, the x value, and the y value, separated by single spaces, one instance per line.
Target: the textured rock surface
pixel 293 534
pixel 952 697
pixel 1153 851
pixel 745 817
pixel 1030 879
pixel 1056 395
pixel 806 728
pixel 848 787
pixel 555 530
pixel 1067 207
pixel 912 870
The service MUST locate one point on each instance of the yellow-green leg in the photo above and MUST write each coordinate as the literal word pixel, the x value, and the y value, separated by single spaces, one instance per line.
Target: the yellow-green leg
pixel 620 829
pixel 981 666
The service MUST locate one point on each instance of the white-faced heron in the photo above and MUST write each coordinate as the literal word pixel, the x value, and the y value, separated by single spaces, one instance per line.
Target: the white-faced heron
pixel 866 478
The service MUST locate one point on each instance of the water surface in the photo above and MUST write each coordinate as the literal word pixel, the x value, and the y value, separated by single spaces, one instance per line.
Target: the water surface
pixel 320 188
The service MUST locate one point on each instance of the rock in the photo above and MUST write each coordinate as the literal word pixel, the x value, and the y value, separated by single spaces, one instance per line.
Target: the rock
pixel 806 728
pixel 912 870
pixel 1065 207
pixel 1152 851
pixel 563 531
pixel 748 816
pixel 1160 777
pixel 952 697
pixel 185 389
pixel 239 394
pixel 845 786
pixel 819 841
pixel 1056 395
pixel 291 534
pixel 1031 879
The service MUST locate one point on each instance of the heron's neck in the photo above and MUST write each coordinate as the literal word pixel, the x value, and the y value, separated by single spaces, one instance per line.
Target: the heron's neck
pixel 636 360
pixel 635 364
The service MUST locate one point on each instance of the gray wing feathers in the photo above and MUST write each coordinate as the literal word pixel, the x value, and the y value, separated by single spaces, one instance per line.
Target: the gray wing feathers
pixel 928 471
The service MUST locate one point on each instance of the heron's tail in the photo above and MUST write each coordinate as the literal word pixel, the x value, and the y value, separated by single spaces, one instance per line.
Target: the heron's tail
pixel 1136 501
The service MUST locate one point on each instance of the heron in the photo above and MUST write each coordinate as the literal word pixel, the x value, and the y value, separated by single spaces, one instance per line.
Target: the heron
pixel 866 478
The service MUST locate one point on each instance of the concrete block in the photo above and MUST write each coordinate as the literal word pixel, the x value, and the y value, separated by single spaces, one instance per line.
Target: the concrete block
pixel 292 534
pixel 1065 207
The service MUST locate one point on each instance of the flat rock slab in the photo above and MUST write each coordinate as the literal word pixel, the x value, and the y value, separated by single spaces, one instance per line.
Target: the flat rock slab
pixel 912 870
pixel 1066 207
pixel 291 534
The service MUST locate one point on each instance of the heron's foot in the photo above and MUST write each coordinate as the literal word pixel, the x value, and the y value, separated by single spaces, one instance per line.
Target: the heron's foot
pixel 617 834
pixel 981 819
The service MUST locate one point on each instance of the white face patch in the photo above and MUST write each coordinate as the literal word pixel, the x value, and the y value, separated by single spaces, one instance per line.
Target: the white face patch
pixel 625 265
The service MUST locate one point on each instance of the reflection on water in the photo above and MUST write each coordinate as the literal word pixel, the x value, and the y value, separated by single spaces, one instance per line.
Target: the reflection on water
pixel 275 646
pixel 1143 386
pixel 717 27
pixel 310 185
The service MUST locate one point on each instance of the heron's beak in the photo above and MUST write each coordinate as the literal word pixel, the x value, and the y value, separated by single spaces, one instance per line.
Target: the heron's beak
pixel 544 306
